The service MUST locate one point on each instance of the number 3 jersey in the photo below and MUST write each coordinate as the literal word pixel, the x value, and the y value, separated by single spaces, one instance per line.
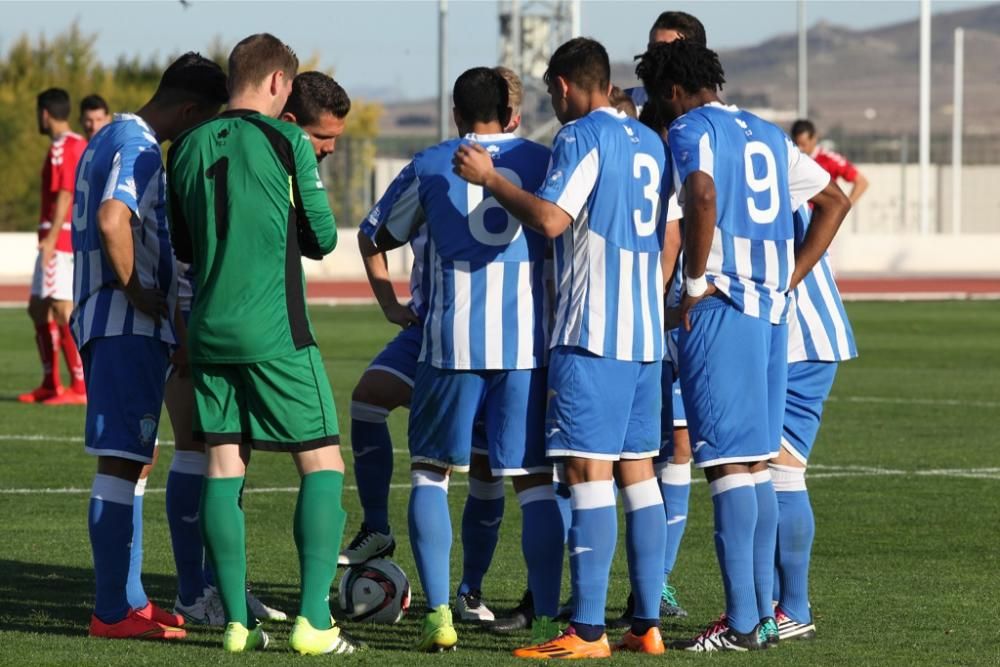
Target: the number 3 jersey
pixel 483 281
pixel 609 173
pixel 246 204
pixel 760 178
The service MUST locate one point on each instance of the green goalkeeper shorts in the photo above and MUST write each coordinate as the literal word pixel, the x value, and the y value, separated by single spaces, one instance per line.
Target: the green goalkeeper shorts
pixel 284 404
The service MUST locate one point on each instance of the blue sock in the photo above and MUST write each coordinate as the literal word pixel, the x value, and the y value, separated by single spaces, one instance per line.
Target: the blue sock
pixel 430 533
pixel 542 545
pixel 675 487
pixel 480 531
pixel 187 474
pixel 735 503
pixel 110 523
pixel 591 549
pixel 796 530
pixel 134 591
pixel 372 447
pixel 645 540
pixel 765 540
pixel 565 508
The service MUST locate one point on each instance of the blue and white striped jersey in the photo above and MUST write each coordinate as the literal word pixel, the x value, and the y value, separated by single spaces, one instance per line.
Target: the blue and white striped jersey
pixel 609 173
pixel 757 171
pixel 820 330
pixel 484 278
pixel 122 162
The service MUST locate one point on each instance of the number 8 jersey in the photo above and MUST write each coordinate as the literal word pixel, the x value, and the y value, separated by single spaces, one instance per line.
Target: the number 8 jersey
pixel 609 173
pixel 760 178
pixel 484 277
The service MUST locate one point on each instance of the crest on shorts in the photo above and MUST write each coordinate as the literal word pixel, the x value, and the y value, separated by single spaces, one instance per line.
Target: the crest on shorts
pixel 147 430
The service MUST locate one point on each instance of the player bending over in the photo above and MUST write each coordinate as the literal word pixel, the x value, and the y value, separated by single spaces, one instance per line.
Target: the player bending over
pixel 601 202
pixel 483 345
pixel 124 321
pixel 245 186
pixel 738 175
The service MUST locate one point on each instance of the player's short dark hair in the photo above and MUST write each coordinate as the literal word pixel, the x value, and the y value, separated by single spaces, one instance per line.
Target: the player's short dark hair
pixel 56 102
pixel 682 22
pixel 481 95
pixel 682 62
pixel 93 103
pixel 313 94
pixel 257 56
pixel 581 61
pixel 803 126
pixel 192 78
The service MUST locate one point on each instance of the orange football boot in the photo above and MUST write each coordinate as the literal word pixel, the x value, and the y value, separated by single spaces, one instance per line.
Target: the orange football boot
pixel 68 397
pixel 39 395
pixel 134 626
pixel 567 646
pixel 651 642
pixel 158 615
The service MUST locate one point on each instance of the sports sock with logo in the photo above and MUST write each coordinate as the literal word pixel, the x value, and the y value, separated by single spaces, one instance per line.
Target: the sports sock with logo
pixel 430 533
pixel 110 525
pixel 591 549
pixel 765 539
pixel 675 487
pixel 542 546
pixel 796 529
pixel 224 532
pixel 372 447
pixel 47 340
pixel 645 542
pixel 319 527
pixel 74 364
pixel 735 503
pixel 136 593
pixel 184 482
pixel 480 530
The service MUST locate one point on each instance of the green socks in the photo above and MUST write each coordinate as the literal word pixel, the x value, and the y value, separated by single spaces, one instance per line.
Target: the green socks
pixel 319 527
pixel 224 530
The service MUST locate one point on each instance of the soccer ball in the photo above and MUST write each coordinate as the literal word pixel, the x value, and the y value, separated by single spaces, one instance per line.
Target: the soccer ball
pixel 377 592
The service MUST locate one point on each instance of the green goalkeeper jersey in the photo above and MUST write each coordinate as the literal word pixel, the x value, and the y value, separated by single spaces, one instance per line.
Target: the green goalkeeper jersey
pixel 246 204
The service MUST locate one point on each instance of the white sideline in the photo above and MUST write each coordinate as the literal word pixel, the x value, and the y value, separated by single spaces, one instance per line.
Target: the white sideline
pixel 825 472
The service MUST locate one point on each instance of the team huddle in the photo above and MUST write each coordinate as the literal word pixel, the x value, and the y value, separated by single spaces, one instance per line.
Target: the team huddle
pixel 653 289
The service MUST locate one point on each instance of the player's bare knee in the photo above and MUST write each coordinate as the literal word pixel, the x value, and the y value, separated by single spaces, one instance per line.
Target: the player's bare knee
pixel 382 390
pixel 579 470
pixel 61 311
pixel 525 482
pixel 114 466
pixel 479 468
pixel 320 459
pixel 633 471
pixel 682 446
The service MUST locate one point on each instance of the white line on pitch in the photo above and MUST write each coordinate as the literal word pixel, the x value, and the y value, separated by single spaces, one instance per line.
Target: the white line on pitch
pixel 951 402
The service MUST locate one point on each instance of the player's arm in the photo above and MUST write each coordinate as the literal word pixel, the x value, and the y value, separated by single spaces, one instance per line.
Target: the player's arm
pixel 475 165
pixel 62 179
pixel 668 265
pixel 807 181
pixel 858 181
pixel 377 270
pixel 317 229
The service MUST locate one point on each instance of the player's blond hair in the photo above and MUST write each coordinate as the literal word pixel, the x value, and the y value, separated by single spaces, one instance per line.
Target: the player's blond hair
pixel 515 88
pixel 623 102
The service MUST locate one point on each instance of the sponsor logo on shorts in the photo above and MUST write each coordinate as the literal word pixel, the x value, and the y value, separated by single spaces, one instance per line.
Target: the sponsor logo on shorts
pixel 698 445
pixel 147 430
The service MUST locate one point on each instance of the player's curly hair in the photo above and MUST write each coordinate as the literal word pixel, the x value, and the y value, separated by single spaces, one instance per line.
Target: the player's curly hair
pixel 683 62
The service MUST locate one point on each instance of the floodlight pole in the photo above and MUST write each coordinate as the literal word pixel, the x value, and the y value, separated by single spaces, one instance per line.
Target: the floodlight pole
pixel 443 124
pixel 956 133
pixel 925 117
pixel 803 61
pixel 574 18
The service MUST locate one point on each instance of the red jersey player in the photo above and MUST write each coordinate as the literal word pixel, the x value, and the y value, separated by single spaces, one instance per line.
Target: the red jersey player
pixel 839 167
pixel 51 301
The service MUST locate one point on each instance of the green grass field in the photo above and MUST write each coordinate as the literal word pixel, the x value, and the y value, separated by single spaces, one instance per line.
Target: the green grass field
pixel 905 483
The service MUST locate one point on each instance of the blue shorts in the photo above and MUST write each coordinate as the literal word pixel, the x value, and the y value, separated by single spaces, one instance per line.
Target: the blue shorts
pixel 809 383
pixel 667 420
pixel 125 377
pixel 734 372
pixel 602 408
pixel 447 404
pixel 399 356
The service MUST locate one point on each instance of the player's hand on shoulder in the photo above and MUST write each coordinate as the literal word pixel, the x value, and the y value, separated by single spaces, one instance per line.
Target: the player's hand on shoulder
pixel 401 315
pixel 473 163
pixel 689 302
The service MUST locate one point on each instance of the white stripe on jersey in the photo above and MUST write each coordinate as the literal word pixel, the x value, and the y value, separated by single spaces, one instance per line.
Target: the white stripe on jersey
pixel 597 292
pixel 744 267
pixel 822 342
pixel 574 198
pixel 494 315
pixel 463 307
pixel 706 159
pixel 437 299
pixel 526 315
pixel 647 319
pixel 626 315
pixel 831 307
pixel 772 276
pixel 115 325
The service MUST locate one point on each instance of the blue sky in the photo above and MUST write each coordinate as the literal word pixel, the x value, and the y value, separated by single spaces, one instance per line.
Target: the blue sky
pixel 390 45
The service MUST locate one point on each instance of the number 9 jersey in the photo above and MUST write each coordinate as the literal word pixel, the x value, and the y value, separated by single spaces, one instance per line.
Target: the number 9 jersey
pixel 760 178
pixel 609 173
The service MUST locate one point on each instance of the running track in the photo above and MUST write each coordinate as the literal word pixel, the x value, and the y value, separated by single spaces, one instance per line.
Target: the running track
pixel 852 288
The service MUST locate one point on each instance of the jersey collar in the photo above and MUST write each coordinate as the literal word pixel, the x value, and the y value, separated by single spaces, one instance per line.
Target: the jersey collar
pixel 731 108
pixel 487 138
pixel 136 118
pixel 611 111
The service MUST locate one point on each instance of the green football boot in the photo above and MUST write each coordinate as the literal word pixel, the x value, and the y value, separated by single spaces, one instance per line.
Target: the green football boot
pixel 438 633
